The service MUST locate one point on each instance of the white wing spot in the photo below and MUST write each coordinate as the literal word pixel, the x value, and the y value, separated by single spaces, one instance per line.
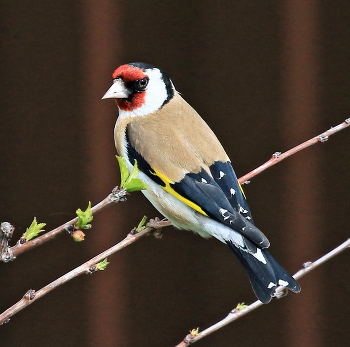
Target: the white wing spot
pixel 232 191
pixel 222 174
pixel 223 211
pixel 283 283
pixel 204 181
pixel 242 210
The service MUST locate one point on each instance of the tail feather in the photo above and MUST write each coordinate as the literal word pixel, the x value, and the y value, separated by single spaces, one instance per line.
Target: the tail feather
pixel 264 272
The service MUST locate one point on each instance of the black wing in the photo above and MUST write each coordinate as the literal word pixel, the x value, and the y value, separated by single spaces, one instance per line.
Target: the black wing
pixel 218 194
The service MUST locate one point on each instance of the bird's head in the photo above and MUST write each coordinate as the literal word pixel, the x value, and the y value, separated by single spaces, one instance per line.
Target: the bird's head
pixel 140 88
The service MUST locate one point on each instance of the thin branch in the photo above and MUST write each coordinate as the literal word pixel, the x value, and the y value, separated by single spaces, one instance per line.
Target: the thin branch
pixel 10 253
pixel 278 156
pixel 86 268
pixel 235 313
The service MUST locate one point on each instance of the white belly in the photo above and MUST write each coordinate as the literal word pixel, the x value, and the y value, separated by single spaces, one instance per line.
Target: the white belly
pixel 184 217
pixel 178 213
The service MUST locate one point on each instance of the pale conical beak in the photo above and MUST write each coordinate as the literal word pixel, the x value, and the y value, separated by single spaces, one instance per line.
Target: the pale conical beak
pixel 117 91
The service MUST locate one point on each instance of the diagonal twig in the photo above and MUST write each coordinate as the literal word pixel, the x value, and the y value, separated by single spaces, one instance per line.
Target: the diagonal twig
pixel 86 268
pixel 237 313
pixel 278 156
pixel 12 252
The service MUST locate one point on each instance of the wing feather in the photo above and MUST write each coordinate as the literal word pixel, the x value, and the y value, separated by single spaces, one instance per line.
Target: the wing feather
pixel 208 195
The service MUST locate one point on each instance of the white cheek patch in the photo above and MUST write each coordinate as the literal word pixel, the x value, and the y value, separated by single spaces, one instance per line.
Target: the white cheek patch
pixel 155 96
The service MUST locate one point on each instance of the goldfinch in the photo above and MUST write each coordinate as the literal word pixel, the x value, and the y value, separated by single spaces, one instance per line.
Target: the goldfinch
pixel 189 176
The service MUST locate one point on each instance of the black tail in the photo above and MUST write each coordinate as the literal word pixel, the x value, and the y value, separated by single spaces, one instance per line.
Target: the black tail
pixel 266 276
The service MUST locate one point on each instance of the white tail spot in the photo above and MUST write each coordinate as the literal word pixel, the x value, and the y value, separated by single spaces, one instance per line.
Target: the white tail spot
pixel 283 283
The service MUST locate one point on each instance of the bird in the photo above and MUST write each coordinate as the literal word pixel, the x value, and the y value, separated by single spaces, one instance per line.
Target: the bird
pixel 190 179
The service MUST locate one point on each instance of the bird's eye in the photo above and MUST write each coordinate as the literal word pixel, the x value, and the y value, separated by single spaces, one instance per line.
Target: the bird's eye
pixel 140 85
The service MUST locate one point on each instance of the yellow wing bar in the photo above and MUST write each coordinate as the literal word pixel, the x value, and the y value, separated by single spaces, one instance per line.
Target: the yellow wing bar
pixel 241 188
pixel 171 191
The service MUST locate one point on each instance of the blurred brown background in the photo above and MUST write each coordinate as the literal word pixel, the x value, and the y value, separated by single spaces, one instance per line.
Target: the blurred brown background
pixel 265 75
